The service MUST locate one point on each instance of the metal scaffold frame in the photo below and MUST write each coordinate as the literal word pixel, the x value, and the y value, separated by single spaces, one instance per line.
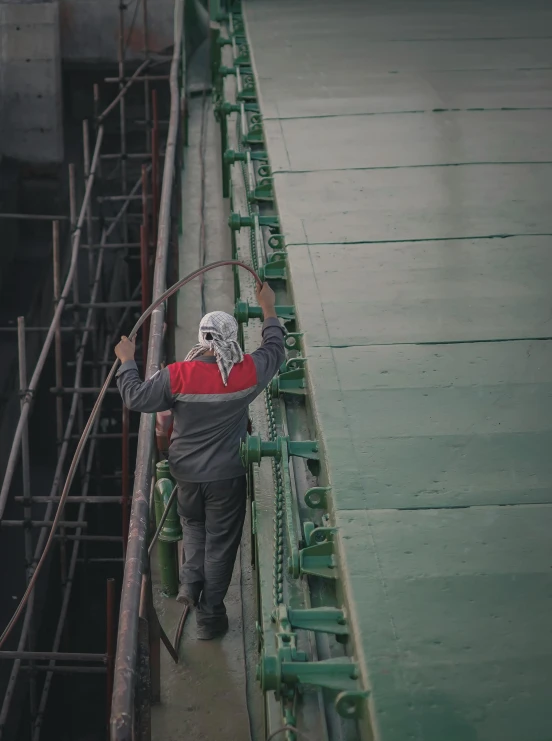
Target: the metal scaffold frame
pixel 95 324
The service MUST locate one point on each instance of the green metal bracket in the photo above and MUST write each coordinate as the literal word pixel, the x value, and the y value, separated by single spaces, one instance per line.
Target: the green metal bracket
pixel 333 674
pixel 238 23
pixel 237 221
pixel 316 498
pixel 231 156
pixel 274 269
pixel 253 448
pixel 315 535
pixel 320 620
pixel 238 37
pixel 292 341
pixel 243 58
pixel 277 242
pixel 319 560
pixel 263 191
pixel 295 363
pixel 248 92
pixel 225 108
pixel 264 171
pixel 288 668
pixel 291 382
pixel 304 449
pixel 255 135
pixel 243 312
pixel 226 71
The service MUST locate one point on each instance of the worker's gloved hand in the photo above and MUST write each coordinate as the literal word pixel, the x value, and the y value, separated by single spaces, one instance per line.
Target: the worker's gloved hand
pixel 125 349
pixel 266 300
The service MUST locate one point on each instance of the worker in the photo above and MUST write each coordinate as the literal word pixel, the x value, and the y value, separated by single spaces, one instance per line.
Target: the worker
pixel 209 394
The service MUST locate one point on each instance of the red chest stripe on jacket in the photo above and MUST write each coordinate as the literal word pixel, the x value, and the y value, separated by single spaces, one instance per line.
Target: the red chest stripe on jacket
pixel 198 377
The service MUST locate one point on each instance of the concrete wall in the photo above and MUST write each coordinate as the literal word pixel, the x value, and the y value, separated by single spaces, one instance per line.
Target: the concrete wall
pixel 90 29
pixel 30 82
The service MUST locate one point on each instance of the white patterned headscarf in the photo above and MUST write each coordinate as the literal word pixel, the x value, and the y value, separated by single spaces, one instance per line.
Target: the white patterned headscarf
pixel 218 331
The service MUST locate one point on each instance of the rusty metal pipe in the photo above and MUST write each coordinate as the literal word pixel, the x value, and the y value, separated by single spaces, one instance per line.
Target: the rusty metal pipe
pixel 43 523
pixel 91 538
pixel 27 509
pixel 56 655
pixel 80 390
pixel 127 643
pixel 144 269
pixel 66 669
pixel 155 161
pixel 57 336
pixel 142 78
pixel 74 500
pixel 34 217
pixel 147 78
pixel 39 329
pixel 110 645
pixel 125 476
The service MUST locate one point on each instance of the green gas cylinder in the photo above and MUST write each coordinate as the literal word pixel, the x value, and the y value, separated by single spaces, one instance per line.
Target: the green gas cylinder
pixel 171 532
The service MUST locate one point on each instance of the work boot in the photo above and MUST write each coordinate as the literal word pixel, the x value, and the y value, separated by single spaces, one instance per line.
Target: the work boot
pixel 212 622
pixel 214 628
pixel 188 594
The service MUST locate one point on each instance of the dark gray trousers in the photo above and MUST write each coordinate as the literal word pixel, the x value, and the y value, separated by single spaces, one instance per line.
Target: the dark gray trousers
pixel 212 516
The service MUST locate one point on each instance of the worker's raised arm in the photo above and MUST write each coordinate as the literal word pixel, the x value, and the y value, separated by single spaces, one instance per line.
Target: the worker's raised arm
pixel 270 355
pixel 153 395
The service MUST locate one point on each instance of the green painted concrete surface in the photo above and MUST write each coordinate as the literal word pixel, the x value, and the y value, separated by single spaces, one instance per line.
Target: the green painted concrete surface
pixel 420 255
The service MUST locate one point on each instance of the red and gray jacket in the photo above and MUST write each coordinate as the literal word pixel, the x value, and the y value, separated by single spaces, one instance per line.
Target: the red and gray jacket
pixel 210 419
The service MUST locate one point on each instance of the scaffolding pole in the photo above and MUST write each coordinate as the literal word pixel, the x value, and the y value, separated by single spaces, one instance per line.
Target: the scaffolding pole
pixel 20 433
pixel 73 500
pixel 122 107
pixel 27 502
pixel 145 24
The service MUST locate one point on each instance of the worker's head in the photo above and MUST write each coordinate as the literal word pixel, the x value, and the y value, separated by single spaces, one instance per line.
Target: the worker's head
pixel 217 326
pixel 218 332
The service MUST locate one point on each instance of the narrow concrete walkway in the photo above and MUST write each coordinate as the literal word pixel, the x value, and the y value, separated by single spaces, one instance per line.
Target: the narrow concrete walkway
pixel 217 290
pixel 203 697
